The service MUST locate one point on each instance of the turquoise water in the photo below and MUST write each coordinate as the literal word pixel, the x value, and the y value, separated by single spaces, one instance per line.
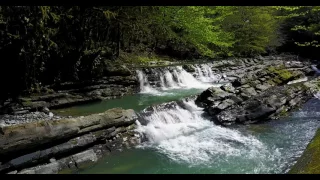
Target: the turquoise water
pixel 180 140
pixel 271 147
pixel 136 102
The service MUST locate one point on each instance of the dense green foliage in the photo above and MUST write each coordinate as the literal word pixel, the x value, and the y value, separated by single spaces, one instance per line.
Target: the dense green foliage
pixel 300 27
pixel 42 45
pixel 255 29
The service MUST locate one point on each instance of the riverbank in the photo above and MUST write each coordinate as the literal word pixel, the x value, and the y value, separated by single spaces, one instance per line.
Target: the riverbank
pixel 121 80
pixel 66 143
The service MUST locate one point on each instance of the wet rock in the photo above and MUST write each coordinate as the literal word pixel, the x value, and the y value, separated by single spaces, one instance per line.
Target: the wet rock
pixel 84 158
pixel 221 106
pixel 52 160
pixel 18 137
pixel 27 171
pixel 21 112
pixel 262 87
pixel 46 110
pixel 248 92
pixel 189 68
pixel 293 102
pixel 228 88
pixel 275 101
pixel 263 106
pixel 13 172
pixel 211 95
pixel 51 168
pixel 35 104
pixel 226 103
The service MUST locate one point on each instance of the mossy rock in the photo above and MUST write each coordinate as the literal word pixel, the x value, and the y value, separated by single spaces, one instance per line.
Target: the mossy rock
pixel 309 162
pixel 280 72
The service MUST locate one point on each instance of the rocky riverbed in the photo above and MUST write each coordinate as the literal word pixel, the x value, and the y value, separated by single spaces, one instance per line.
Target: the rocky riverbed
pixel 35 140
pixel 8 119
pixel 262 94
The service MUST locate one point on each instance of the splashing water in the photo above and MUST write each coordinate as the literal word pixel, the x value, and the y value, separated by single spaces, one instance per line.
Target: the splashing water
pixel 176 78
pixel 185 136
pixel 144 83
pixel 184 141
pixel 205 73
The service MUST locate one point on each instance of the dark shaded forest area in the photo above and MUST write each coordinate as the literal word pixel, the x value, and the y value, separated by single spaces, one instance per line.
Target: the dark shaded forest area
pixel 41 45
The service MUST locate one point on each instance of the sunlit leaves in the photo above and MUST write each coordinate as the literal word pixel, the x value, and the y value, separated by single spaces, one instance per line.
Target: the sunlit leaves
pixel 310 25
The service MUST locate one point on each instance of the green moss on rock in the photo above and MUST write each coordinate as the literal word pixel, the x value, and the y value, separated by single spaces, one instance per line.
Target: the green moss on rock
pixel 281 73
pixel 309 162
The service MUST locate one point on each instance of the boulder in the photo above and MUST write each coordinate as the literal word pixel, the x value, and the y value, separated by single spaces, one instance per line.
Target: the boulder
pixel 211 95
pixel 228 88
pixel 189 68
pixel 85 158
pixel 262 87
pixel 259 107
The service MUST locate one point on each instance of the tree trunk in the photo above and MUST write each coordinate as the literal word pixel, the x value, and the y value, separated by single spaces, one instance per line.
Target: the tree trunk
pixel 118 40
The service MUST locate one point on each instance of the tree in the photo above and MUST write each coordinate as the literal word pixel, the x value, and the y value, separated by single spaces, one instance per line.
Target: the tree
pixel 255 29
pixel 301 29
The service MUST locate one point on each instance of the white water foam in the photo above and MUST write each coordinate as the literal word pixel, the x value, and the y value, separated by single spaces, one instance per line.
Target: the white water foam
pixel 177 78
pixel 186 137
pixel 205 73
pixel 145 87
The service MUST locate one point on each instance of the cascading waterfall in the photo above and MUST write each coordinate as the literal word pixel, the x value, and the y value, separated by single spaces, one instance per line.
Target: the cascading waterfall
pixel 169 79
pixel 180 131
pixel 199 72
pixel 144 83
pixel 205 73
pixel 176 77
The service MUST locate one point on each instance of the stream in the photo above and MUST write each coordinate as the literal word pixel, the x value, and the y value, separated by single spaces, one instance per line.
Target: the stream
pixel 180 139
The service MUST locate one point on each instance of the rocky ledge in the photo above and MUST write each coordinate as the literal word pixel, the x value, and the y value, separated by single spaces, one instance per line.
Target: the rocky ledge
pixel 67 144
pixel 259 94
pixel 117 82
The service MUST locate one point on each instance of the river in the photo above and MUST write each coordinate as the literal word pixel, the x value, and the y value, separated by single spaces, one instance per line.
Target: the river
pixel 180 139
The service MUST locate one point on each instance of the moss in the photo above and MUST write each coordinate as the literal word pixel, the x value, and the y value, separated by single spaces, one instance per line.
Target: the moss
pixel 23 99
pixel 317 83
pixel 280 72
pixel 309 162
pixel 283 112
pixel 47 90
pixel 98 133
pixel 252 83
pixel 74 142
pixel 277 80
pixel 271 82
pixel 27 102
pixel 143 59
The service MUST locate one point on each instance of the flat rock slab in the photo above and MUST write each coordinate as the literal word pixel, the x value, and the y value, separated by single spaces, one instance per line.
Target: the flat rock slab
pixel 30 135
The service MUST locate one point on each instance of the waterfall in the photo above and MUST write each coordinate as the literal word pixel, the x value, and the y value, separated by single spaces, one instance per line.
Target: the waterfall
pixel 169 79
pixel 175 78
pixel 205 73
pixel 199 72
pixel 180 131
pixel 144 83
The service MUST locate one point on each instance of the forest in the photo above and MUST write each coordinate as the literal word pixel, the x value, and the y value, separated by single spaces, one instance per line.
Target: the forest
pixel 44 45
